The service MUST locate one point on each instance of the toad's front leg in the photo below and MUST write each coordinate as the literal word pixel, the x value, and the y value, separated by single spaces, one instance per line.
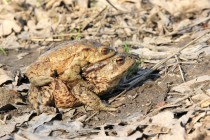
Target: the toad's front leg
pixel 84 93
pixel 40 73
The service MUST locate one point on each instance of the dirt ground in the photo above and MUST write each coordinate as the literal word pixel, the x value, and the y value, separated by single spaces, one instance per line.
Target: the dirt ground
pixel 142 99
pixel 179 87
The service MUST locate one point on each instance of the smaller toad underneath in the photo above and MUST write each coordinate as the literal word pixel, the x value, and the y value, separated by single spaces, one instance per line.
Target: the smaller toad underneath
pixel 98 79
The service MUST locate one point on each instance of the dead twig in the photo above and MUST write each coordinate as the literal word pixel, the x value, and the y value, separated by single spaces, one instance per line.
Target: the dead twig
pixel 96 112
pixel 179 100
pixel 71 34
pixel 187 109
pixel 102 22
pixel 117 14
pixel 46 39
pixel 93 18
pixel 112 5
pixel 190 26
pixel 174 104
pixel 113 99
pixel 185 63
pixel 180 69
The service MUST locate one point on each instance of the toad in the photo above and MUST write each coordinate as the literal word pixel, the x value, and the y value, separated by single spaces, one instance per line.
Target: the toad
pixel 98 79
pixel 66 60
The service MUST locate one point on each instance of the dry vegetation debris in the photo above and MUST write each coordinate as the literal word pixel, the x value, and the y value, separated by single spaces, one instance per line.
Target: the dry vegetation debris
pixel 154 30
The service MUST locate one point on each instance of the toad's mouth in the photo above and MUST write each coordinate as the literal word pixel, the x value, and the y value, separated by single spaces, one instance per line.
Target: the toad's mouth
pixel 93 67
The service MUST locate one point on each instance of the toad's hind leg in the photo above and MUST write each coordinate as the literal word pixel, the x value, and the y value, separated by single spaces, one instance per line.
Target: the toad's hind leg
pixel 82 91
pixel 62 96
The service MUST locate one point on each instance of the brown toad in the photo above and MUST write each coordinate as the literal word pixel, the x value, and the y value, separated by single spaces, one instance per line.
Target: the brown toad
pixel 66 60
pixel 99 79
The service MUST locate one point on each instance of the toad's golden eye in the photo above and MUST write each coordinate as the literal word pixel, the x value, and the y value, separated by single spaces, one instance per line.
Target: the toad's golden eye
pixel 105 51
pixel 120 60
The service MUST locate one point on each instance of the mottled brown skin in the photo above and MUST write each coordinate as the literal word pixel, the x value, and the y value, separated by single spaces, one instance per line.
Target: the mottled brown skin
pixel 66 60
pixel 100 78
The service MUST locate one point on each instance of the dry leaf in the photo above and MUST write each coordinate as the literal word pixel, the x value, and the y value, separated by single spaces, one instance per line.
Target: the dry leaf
pixel 145 53
pixel 5 76
pixel 200 97
pixel 10 43
pixel 22 119
pixel 23 135
pixel 21 55
pixel 165 119
pixel 70 127
pixel 205 104
pixel 193 53
pixel 186 87
pixel 152 130
pixel 7 129
pixel 136 135
pixel 6 27
pixel 123 131
pixel 40 120
pixel 178 7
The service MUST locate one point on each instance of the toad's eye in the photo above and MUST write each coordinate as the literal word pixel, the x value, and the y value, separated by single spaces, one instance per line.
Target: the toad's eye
pixel 120 60
pixel 105 51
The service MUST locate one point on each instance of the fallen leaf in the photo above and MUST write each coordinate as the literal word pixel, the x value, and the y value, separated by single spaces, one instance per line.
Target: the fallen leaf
pixel 21 55
pixel 7 129
pixel 152 130
pixel 7 137
pixel 40 120
pixel 165 119
pixel 10 43
pixel 22 119
pixel 145 53
pixel 166 126
pixel 5 76
pixel 199 97
pixel 6 27
pixel 70 127
pixel 25 135
pixel 177 132
pixel 193 53
pixel 136 135
pixel 205 104
pixel 133 117
pixel 186 87
pixel 185 118
pixel 125 130
pixel 178 7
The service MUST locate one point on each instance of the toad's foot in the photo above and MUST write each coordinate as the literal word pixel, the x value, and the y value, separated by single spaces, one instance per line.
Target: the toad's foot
pixel 100 106
pixel 109 107
pixel 46 109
